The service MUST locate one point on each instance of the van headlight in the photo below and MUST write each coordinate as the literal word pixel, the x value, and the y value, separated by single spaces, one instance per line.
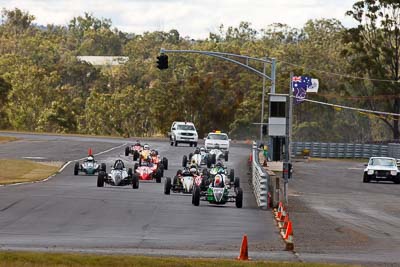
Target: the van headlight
pixel 393 173
pixel 370 172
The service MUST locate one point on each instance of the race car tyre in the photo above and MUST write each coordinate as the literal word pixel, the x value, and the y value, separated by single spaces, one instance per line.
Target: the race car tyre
pixel 208 162
pixel 205 172
pixel 165 163
pixel 135 166
pixel 172 143
pixel 236 183
pixel 135 155
pixel 130 173
pixel 226 155
pixel 239 198
pixel 213 158
pixel 366 178
pixel 190 156
pixel 232 175
pixel 167 186
pixel 176 143
pixel 100 179
pixel 135 181
pixel 127 151
pixel 103 167
pixel 196 196
pixel 195 144
pixel 184 161
pixel 158 176
pixel 76 168
pixel 175 181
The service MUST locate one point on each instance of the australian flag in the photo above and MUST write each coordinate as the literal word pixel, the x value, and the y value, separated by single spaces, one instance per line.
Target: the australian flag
pixel 300 85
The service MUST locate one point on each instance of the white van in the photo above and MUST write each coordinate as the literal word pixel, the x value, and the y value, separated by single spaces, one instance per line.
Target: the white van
pixel 183 132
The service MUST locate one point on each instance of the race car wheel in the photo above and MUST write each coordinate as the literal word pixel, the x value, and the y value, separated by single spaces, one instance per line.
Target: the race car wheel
pixel 213 158
pixel 130 173
pixel 208 162
pixel 135 155
pixel 172 143
pixel 127 151
pixel 366 178
pixel 165 163
pixel 135 166
pixel 135 181
pixel 232 175
pixel 158 176
pixel 175 181
pixel 190 156
pixel 184 161
pixel 167 186
pixel 103 167
pixel 195 144
pixel 76 168
pixel 236 183
pixel 239 198
pixel 176 143
pixel 100 179
pixel 196 196
pixel 226 155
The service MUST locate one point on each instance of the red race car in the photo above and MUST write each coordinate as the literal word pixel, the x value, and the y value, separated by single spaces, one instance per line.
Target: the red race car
pixel 135 150
pixel 150 166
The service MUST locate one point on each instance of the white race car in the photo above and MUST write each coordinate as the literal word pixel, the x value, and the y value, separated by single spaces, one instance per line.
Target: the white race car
pixel 118 176
pixel 381 169
pixel 199 157
pixel 214 155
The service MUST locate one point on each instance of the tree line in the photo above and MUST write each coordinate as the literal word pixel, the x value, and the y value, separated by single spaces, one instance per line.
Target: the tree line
pixel 44 87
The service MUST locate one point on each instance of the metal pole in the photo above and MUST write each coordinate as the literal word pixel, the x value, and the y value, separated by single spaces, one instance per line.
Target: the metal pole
pixel 273 75
pixel 287 144
pixel 262 104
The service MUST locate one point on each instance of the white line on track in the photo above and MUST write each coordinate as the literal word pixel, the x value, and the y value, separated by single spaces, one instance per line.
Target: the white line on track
pixel 65 165
pixel 96 154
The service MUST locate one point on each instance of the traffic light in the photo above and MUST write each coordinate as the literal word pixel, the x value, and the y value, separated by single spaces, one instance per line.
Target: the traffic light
pixel 162 62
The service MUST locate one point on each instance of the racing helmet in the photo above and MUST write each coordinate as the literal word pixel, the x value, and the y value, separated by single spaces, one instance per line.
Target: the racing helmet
pixel 197 150
pixel 202 149
pixel 217 180
pixel 146 147
pixel 193 170
pixel 218 164
pixel 90 158
pixel 153 153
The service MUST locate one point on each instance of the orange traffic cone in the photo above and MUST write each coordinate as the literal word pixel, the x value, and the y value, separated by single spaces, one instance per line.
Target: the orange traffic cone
pixel 90 153
pixel 244 253
pixel 287 235
pixel 283 224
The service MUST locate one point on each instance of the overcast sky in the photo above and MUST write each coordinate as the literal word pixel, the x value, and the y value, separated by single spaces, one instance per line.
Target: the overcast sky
pixel 196 18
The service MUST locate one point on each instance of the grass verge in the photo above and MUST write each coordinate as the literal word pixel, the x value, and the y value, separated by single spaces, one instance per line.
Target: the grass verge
pixel 18 171
pixel 27 259
pixel 5 139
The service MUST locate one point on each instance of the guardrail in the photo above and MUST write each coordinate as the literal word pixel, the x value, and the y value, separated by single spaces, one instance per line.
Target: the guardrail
pixel 259 179
pixel 342 150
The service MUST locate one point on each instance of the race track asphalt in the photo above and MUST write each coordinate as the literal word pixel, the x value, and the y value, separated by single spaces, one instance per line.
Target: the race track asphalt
pixel 70 213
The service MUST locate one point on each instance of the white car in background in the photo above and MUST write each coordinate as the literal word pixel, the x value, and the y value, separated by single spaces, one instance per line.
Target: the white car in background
pixel 381 169
pixel 217 140
pixel 183 132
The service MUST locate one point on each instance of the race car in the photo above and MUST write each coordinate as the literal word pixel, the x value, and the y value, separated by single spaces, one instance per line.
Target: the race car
pixel 89 166
pixel 216 154
pixel 199 157
pixel 118 176
pixel 185 180
pixel 151 167
pixel 218 193
pixel 135 150
pixel 219 168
